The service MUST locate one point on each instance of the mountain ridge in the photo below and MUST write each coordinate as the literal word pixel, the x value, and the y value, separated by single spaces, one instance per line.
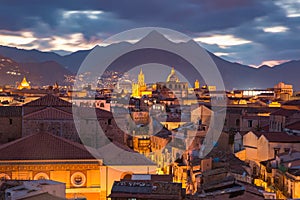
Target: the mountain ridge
pixel 235 75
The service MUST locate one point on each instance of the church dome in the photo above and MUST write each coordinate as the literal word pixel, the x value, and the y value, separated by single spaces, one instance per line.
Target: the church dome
pixel 173 76
pixel 24 84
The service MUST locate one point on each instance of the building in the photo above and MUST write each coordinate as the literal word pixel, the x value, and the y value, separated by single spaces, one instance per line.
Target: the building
pixel 147 187
pixel 57 116
pixel 283 91
pixel 281 174
pixel 281 118
pixel 197 85
pixel 139 89
pixel 10 123
pixel 33 189
pixel 24 84
pixel 45 156
pixel 81 168
pixel 262 146
pixel 175 88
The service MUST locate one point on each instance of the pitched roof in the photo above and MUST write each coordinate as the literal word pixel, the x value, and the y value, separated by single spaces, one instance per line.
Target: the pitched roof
pixel 294 126
pixel 284 112
pixel 50 113
pixel 293 102
pixel 43 146
pixel 281 137
pixel 49 100
pixel 258 134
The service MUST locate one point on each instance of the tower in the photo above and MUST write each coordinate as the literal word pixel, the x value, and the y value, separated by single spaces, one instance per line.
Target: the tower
pixel 141 79
pixel 196 84
pixel 135 90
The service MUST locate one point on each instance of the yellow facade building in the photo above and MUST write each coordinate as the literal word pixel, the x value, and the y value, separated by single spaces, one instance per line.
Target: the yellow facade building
pixel 139 89
pixel 46 156
pixel 197 85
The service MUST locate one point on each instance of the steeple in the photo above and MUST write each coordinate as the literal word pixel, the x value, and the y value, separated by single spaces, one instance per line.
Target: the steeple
pixel 141 79
pixel 197 84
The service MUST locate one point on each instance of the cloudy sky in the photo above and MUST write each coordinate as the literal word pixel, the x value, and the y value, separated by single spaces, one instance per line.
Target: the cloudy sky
pixel 251 32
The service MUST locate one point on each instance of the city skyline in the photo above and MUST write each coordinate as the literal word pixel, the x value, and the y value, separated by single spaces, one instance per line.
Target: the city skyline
pixel 131 99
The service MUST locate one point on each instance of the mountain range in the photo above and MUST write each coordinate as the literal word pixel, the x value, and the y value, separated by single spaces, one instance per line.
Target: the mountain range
pixel 48 67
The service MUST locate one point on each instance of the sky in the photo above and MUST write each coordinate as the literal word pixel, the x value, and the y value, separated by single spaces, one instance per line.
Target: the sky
pixel 250 32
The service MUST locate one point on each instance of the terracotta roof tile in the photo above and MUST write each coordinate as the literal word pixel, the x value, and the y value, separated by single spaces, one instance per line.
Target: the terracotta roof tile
pixel 49 100
pixel 294 126
pixel 284 112
pixel 281 137
pixel 49 113
pixel 43 146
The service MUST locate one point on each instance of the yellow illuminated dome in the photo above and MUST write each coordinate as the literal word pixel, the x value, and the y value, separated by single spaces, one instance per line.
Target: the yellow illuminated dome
pixel 24 84
pixel 173 76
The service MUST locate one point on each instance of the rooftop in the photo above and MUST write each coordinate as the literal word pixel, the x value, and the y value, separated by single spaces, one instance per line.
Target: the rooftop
pixel 280 137
pixel 43 146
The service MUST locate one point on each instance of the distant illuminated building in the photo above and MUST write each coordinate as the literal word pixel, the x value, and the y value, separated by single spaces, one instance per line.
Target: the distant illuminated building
pixel 24 84
pixel 196 84
pixel 173 76
pixel 275 104
pixel 251 93
pixel 139 89
pixel 283 91
pixel 176 88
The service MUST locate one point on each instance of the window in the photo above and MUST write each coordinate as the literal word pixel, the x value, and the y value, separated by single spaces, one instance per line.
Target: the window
pixel 78 179
pixel 237 122
pixel 41 176
pixel 101 105
pixel 250 123
pixel 276 151
pixel 10 121
pixel 109 121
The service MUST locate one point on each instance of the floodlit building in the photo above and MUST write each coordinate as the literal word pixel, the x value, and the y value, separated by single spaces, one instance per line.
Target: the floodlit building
pixel 282 89
pixel 81 168
pixel 24 84
pixel 175 87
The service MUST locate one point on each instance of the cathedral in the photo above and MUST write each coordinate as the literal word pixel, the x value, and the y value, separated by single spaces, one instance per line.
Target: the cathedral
pixel 139 89
pixel 173 83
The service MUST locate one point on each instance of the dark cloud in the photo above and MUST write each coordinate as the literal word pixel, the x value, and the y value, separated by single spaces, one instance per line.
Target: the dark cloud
pixel 180 15
pixel 243 19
